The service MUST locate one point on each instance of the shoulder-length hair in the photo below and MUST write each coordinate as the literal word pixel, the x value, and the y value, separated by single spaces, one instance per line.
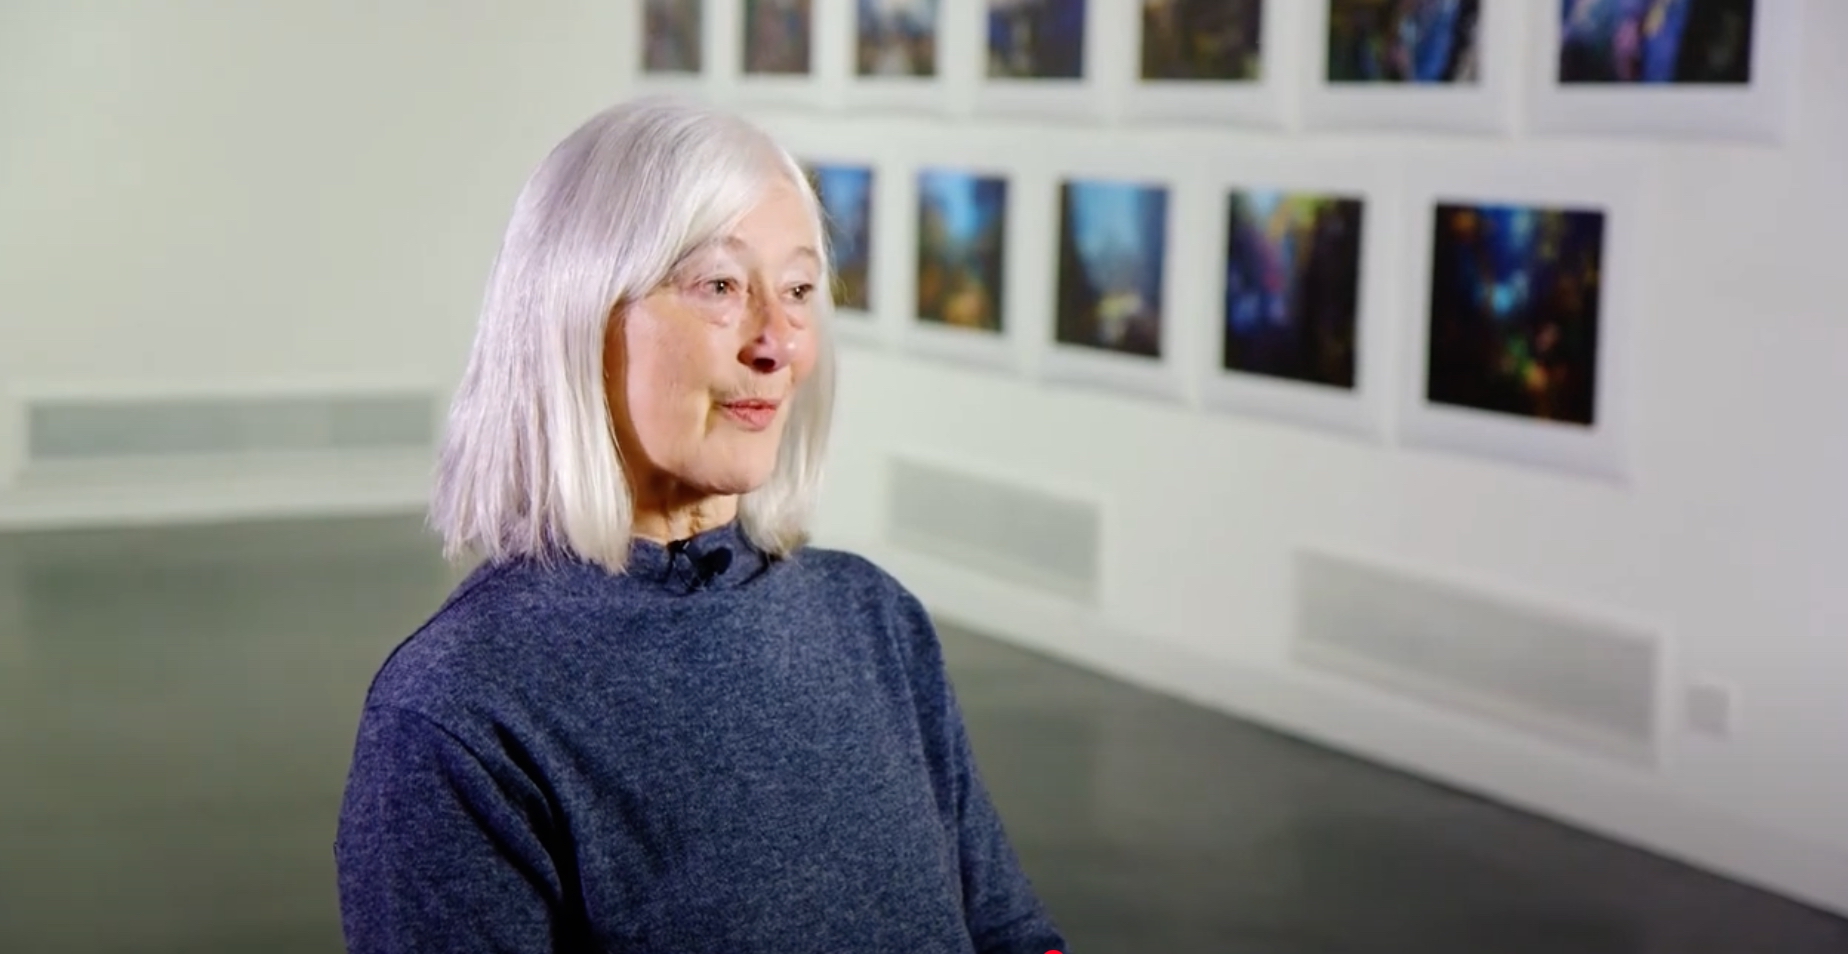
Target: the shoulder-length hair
pixel 529 465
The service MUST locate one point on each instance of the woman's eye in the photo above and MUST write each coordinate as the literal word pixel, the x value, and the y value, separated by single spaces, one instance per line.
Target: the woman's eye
pixel 721 286
pixel 802 292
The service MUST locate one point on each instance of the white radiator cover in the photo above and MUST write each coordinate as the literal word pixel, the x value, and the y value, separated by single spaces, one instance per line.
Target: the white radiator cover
pixel 111 456
pixel 1005 527
pixel 69 429
pixel 1575 680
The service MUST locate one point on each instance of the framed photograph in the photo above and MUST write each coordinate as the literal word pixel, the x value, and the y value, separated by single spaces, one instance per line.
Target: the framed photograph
pixel 846 192
pixel 673 37
pixel 1040 58
pixel 673 56
pixel 1434 65
pixel 1300 334
pixel 1697 68
pixel 1522 346
pixel 1110 326
pixel 961 276
pixel 1205 59
pixel 779 38
pixel 777 60
pixel 897 50
pixel 896 38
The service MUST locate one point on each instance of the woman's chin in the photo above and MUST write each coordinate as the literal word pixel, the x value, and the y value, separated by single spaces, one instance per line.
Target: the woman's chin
pixel 738 481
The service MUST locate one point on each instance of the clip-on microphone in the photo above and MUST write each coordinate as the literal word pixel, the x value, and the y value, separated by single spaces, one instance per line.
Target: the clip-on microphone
pixel 706 567
pixel 710 566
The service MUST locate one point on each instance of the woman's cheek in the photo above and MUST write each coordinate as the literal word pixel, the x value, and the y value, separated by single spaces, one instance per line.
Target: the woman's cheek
pixel 808 348
pixel 722 311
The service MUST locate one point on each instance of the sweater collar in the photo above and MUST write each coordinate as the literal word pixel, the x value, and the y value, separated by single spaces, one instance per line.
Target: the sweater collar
pixel 721 558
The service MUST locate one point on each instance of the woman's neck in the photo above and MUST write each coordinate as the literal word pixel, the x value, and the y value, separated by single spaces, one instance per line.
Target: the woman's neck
pixel 665 523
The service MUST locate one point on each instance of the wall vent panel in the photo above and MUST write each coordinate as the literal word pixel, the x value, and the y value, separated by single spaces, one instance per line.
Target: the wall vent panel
pixel 82 429
pixel 1583 682
pixel 1008 529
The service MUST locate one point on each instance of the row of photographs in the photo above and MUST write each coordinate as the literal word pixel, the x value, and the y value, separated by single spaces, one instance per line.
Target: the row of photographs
pixel 1718 68
pixel 1513 351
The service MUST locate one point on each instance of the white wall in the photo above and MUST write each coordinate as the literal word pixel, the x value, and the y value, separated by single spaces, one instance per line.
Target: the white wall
pixel 235 196
pixel 243 198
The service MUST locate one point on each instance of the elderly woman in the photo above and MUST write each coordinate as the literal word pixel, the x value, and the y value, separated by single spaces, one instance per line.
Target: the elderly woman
pixel 652 719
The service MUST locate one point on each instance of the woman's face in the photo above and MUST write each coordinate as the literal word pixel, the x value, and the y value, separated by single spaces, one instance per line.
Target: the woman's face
pixel 708 364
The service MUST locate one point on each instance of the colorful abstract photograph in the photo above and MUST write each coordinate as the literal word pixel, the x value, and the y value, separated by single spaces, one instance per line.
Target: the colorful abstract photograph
pixel 776 37
pixel 1036 39
pixel 1201 39
pixel 962 237
pixel 847 206
pixel 1403 41
pixel 670 36
pixel 1293 286
pixel 897 38
pixel 1515 294
pixel 1655 41
pixel 1112 246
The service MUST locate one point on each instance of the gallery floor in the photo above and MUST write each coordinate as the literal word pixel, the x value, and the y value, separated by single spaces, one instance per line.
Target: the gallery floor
pixel 176 707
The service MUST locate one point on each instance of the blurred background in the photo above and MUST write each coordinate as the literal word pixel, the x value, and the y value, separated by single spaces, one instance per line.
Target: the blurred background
pixel 1238 685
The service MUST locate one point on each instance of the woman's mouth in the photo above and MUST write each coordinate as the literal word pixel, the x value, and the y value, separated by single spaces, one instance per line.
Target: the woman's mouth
pixel 752 414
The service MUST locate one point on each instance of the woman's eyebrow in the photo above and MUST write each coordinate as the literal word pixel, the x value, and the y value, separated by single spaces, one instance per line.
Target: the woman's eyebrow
pixel 694 257
pixel 738 246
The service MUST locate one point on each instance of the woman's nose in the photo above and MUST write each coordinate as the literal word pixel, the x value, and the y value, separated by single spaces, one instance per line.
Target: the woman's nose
pixel 775 343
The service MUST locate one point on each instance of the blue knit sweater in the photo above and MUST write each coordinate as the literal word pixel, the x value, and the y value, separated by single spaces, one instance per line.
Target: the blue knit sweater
pixel 712 752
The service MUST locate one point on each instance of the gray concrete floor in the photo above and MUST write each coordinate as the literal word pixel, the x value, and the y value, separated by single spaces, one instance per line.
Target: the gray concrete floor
pixel 177 706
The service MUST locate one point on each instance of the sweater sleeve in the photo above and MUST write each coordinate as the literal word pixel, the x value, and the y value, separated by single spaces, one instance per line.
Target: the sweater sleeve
pixel 436 851
pixel 1003 913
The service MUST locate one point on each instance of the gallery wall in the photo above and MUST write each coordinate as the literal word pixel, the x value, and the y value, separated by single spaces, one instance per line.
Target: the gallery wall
pixel 242 200
pixel 1697 507
pixel 228 203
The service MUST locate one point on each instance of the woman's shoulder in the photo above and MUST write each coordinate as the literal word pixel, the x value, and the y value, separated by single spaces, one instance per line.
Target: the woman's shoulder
pixel 848 573
pixel 842 566
pixel 498 626
pixel 852 585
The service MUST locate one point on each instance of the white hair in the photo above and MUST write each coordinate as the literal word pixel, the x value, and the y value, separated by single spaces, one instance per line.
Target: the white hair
pixel 529 465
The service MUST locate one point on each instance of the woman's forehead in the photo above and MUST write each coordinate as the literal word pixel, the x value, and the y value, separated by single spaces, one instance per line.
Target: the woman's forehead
pixel 793 243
